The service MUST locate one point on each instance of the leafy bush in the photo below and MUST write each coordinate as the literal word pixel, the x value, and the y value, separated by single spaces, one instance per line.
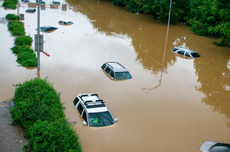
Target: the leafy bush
pixel 19 49
pixel 23 40
pixel 53 136
pixel 37 108
pixel 27 59
pixel 12 17
pixel 9 4
pixel 16 27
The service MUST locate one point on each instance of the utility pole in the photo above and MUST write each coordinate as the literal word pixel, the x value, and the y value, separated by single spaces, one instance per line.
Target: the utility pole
pixel 38 35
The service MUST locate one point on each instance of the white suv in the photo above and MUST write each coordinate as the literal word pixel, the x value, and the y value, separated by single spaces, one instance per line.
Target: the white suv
pixel 93 110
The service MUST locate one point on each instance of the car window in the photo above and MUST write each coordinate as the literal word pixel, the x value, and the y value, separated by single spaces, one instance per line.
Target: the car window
pixel 195 55
pixel 122 75
pixel 107 70
pixel 187 54
pixel 80 108
pixel 181 52
pixel 175 49
pixel 100 119
pixel 112 74
pixel 84 116
pixel 103 66
pixel 75 101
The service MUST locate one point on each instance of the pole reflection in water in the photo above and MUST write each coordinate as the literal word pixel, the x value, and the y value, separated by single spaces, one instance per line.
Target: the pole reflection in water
pixel 38 74
pixel 166 39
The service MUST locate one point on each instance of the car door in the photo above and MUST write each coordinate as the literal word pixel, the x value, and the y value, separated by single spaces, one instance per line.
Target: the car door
pixel 84 116
pixel 107 70
pixel 80 108
pixel 188 54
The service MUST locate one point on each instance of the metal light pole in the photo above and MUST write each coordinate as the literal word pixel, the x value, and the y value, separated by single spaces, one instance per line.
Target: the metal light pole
pixel 38 35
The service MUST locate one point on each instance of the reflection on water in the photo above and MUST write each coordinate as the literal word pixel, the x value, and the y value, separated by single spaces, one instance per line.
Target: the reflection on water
pixel 169 101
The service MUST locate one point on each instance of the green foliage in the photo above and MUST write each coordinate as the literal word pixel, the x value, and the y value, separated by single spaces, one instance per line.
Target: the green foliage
pixel 16 27
pixel 19 49
pixel 37 108
pixel 211 18
pixel 9 4
pixel 12 17
pixel 133 7
pixel 118 2
pixel 55 136
pixel 23 40
pixel 27 59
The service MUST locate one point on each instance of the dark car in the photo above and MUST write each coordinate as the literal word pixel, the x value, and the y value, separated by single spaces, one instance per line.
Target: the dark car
pixel 214 146
pixel 31 10
pixel 63 22
pixel 116 71
pixel 56 2
pixel 47 28
pixel 185 52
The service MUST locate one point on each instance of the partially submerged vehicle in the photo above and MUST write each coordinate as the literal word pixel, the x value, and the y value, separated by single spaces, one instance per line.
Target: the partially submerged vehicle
pixel 93 110
pixel 116 71
pixel 214 146
pixel 185 52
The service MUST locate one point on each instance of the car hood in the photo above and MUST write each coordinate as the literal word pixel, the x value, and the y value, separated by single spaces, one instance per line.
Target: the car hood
pixel 207 145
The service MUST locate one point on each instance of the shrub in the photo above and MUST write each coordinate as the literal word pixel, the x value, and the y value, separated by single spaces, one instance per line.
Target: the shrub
pixel 12 17
pixel 9 4
pixel 19 49
pixel 23 40
pixel 16 27
pixel 37 108
pixel 57 136
pixel 27 59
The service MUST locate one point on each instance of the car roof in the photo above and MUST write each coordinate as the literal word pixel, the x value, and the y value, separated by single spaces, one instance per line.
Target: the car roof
pixel 66 20
pixel 92 103
pixel 117 67
pixel 185 49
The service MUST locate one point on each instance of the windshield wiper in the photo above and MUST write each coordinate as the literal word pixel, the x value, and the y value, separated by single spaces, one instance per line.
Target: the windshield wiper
pixel 108 119
pixel 100 119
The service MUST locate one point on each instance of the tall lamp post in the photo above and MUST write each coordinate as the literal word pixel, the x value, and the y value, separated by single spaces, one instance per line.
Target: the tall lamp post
pixel 38 36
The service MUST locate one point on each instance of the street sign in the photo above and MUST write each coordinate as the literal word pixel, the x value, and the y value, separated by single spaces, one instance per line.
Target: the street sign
pixel 40 44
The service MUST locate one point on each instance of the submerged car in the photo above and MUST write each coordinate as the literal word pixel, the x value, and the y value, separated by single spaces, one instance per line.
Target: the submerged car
pixel 47 28
pixel 65 22
pixel 185 52
pixel 93 110
pixel 116 71
pixel 31 10
pixel 214 146
pixel 56 2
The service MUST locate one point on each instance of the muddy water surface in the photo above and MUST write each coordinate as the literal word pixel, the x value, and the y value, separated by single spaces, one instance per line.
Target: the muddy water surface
pixel 171 103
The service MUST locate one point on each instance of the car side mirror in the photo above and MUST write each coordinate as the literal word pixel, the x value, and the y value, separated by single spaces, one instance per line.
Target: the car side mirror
pixel 115 119
pixel 84 123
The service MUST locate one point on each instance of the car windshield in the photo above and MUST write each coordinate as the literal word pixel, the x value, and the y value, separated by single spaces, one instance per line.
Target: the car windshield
pixel 220 147
pixel 122 75
pixel 195 55
pixel 100 119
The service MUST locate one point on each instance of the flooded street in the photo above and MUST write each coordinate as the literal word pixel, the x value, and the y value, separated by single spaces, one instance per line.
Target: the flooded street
pixel 172 104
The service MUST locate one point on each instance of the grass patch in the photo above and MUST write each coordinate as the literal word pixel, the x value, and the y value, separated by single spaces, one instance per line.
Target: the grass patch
pixel 38 109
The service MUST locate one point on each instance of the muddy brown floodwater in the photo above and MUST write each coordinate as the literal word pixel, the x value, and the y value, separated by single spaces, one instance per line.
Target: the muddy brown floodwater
pixel 171 103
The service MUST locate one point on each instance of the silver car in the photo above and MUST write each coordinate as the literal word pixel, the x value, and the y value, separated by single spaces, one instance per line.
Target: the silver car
pixel 116 71
pixel 185 52
pixel 214 146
